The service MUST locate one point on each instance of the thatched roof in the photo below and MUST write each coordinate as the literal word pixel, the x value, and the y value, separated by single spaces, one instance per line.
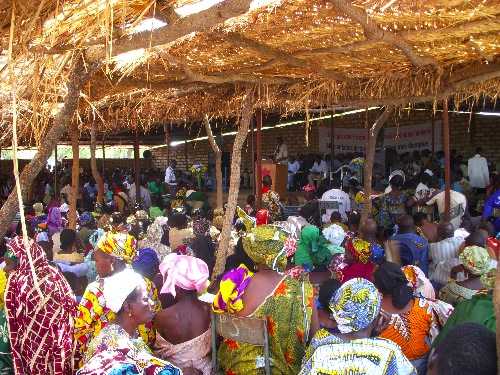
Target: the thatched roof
pixel 300 54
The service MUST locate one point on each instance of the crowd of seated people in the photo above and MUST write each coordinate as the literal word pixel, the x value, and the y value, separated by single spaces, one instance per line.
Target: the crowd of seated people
pixel 404 289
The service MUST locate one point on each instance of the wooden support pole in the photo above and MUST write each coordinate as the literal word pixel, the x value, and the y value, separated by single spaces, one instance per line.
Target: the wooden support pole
pixel 78 77
pixel 186 158
pixel 93 167
pixel 75 175
pixel 103 157
pixel 166 130
pixel 55 173
pixel 258 162
pixel 234 183
pixel 332 142
pixel 252 158
pixel 446 149
pixel 370 156
pixel 137 168
pixel 433 126
pixel 218 163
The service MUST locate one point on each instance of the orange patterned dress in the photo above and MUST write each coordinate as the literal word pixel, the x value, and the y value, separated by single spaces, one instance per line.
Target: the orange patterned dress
pixel 412 330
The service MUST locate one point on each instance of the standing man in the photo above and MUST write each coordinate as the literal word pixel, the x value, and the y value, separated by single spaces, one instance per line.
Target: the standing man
pixel 281 152
pixel 170 179
pixel 293 168
pixel 479 174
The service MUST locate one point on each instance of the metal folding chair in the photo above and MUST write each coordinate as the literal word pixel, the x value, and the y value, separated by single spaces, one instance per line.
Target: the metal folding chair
pixel 328 205
pixel 247 330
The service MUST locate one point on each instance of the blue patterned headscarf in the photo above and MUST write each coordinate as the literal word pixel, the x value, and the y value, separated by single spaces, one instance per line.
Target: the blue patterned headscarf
pixel 355 305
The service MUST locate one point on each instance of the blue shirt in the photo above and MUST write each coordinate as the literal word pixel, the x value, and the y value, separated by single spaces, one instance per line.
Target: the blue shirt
pixel 413 250
pixel 491 203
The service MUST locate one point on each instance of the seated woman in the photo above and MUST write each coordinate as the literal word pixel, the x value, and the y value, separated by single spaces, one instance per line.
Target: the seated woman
pixel 286 303
pixel 114 252
pixel 179 232
pixel 117 349
pixel 477 264
pixel 413 324
pixel 183 330
pixel 354 349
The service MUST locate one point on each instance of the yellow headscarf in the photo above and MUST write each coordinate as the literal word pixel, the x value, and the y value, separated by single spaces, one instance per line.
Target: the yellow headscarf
pixel 118 244
pixel 264 245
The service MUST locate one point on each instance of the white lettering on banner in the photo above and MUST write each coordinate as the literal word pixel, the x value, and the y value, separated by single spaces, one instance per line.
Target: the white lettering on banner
pixel 404 138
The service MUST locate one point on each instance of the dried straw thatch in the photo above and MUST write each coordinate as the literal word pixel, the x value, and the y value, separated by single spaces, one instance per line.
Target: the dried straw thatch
pixel 301 54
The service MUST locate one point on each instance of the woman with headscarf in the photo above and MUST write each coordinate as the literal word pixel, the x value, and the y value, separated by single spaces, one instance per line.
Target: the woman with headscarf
pixel 154 235
pixel 355 308
pixel 202 244
pixel 391 205
pixel 477 264
pixel 117 349
pixel 39 313
pixel 186 341
pixel 114 252
pixel 54 221
pixel 285 302
pixel 313 249
pixel 362 253
pixel 413 322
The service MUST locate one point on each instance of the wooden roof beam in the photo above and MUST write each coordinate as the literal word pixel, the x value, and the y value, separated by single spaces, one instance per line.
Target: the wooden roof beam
pixel 278 55
pixel 201 21
pixel 374 32
pixel 223 78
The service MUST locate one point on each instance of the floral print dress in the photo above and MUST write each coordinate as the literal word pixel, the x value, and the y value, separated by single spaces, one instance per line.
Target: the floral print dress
pixel 288 313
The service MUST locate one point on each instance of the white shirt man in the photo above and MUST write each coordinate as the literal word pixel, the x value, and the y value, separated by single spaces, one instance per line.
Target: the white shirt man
pixel 293 168
pixel 456 199
pixel 444 256
pixel 342 198
pixel 281 155
pixel 170 176
pixel 320 167
pixel 479 174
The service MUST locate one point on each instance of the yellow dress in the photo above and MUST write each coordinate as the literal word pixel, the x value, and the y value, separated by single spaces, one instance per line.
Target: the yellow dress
pixel 93 315
pixel 288 312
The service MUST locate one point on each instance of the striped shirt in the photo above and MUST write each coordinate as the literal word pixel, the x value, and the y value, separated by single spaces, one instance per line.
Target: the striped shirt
pixel 444 256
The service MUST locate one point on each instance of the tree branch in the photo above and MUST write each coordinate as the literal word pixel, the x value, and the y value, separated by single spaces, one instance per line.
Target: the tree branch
pixel 218 162
pixel 78 77
pixel 373 31
pixel 282 56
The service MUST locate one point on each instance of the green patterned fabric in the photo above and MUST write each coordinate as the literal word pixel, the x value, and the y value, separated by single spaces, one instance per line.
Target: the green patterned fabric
pixel 288 313
pixel 5 353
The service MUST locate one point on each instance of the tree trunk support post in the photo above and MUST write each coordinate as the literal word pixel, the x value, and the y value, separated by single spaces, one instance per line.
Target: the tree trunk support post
pixel 234 183
pixel 75 176
pixel 370 156
pixel 93 166
pixel 258 162
pixel 137 168
pixel 446 149
pixel 218 163
pixel 78 77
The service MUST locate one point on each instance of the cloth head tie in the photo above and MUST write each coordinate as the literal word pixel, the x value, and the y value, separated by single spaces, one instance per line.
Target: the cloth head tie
pixel 118 287
pixel 355 305
pixel 184 271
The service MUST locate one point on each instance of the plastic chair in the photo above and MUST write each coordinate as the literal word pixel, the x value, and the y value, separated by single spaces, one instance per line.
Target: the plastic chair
pixel 247 330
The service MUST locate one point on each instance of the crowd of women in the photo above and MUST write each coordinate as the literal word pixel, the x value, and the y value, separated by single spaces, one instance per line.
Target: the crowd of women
pixel 137 292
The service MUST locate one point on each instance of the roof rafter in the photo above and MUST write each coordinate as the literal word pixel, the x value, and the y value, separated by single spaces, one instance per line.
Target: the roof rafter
pixel 374 32
pixel 276 54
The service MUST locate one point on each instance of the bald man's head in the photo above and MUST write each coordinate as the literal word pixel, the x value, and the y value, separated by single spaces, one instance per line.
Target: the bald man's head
pixel 445 230
pixel 368 229
pixel 406 224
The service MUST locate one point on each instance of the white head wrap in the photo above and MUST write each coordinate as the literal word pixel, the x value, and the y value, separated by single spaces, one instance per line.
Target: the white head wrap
pixel 119 286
